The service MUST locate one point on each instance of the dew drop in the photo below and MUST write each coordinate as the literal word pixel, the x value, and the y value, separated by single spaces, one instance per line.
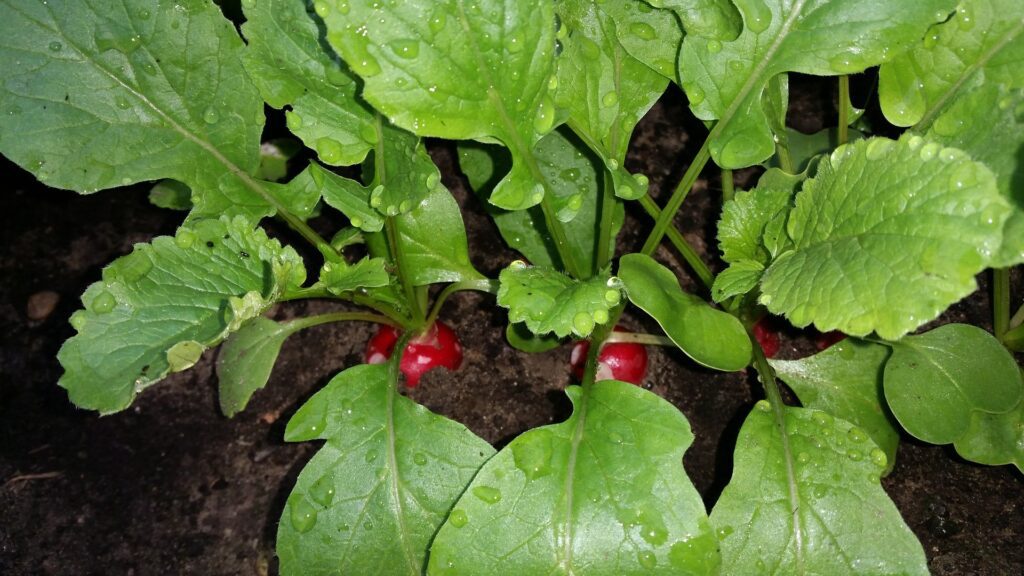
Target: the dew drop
pixel 696 95
pixel 515 42
pixel 337 76
pixel 714 46
pixel 357 221
pixel 56 46
pixel 122 103
pixel 610 99
pixel 553 82
pixel 760 17
pixel 965 20
pixel 185 238
pixel 420 459
pixel 641 179
pixel 643 30
pixel 103 303
pixel 294 121
pixel 329 150
pixel 78 320
pixel 210 115
pixel 949 154
pixel 647 559
pixel 820 491
pixel 322 491
pixel 371 455
pixel 724 532
pixel 879 458
pixel 343 7
pixel 822 419
pixel 915 142
pixel 302 514
pixel 879 148
pixel 612 163
pixel 600 316
pixel 857 435
pixel 654 535
pixel 803 458
pixel 404 48
pixel 735 65
pixel 855 455
pixel 612 297
pixel 570 174
pixel 931 40
pixel 532 454
pixel 487 494
pixel 929 151
pixel 764 406
pixel 322 8
pixel 437 21
pixel 545 118
pixel 134 266
pixel 582 323
pixel 458 518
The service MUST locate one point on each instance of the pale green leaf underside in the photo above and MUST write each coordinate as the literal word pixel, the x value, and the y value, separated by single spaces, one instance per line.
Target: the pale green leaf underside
pixel 845 380
pixel 462 70
pixel 994 439
pixel 725 80
pixel 710 337
pixel 372 498
pixel 716 19
pixel 602 493
pixel 982 42
pixel 291 64
pixel 95 98
pixel 549 301
pixel 811 504
pixel 246 360
pixel 936 381
pixel 987 122
pixel 605 90
pixel 162 295
pixel 885 237
pixel 433 240
pixel 574 177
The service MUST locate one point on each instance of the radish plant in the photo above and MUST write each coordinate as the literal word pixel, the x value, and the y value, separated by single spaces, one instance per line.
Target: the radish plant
pixel 850 231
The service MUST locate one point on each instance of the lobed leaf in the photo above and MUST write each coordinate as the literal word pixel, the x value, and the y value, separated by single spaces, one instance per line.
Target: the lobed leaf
pixel 725 81
pixel 885 237
pixel 604 89
pixel 549 301
pixel 292 65
pixel 158 308
pixel 458 69
pixel 372 498
pixel 987 122
pixel 433 240
pixel 805 498
pixel 845 380
pixel 748 218
pixel 246 360
pixel 97 96
pixel 936 381
pixel 573 174
pixel 602 493
pixel 710 337
pixel 341 277
pixel 983 42
pixel 348 197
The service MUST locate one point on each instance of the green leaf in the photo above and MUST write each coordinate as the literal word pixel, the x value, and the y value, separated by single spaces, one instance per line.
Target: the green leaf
pixel 433 240
pixel 725 81
pixel 460 70
pixel 403 173
pixel 605 90
pixel 739 278
pixel 339 278
pixel 651 35
pixel 982 42
pixel 753 219
pixel 549 301
pixel 710 337
pixel 575 178
pixel 987 122
pixel 806 499
pixel 936 381
pixel 372 498
pixel 602 493
pixel 347 196
pixel 301 194
pixel 716 19
pixel 845 380
pixel 520 338
pixel 804 148
pixel 246 360
pixel 100 97
pixel 130 334
pixel 292 65
pixel 171 194
pixel 885 237
pixel 994 439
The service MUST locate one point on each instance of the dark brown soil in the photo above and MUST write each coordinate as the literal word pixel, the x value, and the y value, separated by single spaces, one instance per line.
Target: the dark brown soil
pixel 172 487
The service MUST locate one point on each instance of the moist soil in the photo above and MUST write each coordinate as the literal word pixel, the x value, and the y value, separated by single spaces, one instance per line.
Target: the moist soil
pixel 170 486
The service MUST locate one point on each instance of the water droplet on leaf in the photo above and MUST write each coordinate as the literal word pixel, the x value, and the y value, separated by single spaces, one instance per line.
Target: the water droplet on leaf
pixel 302 514
pixel 487 494
pixel 103 303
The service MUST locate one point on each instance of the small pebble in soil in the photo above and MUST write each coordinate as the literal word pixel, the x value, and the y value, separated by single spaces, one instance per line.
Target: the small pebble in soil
pixel 41 304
